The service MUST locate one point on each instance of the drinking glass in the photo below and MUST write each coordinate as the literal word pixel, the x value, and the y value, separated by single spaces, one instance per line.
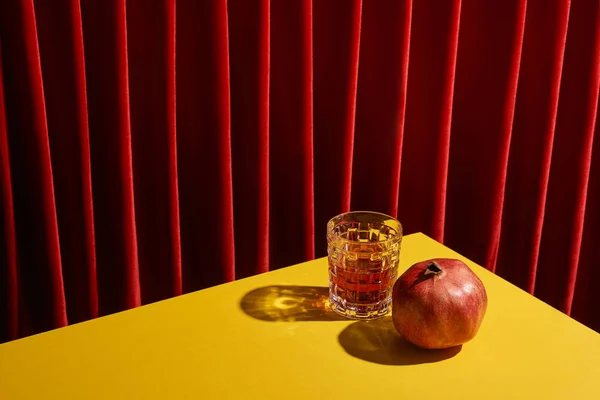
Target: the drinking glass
pixel 363 252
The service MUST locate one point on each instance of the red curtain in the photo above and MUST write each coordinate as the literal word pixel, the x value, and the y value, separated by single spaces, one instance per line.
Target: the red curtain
pixel 153 148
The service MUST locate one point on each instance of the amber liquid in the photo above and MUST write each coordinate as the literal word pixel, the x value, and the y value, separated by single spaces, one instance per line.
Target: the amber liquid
pixel 361 280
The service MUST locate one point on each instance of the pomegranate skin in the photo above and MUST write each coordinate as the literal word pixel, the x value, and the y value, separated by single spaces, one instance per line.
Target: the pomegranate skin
pixel 438 303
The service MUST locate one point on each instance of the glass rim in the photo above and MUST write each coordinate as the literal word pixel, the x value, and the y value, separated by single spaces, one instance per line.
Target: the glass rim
pixel 384 218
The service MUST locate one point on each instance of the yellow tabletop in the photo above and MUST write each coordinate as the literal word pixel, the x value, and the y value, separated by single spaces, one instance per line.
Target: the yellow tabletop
pixel 270 336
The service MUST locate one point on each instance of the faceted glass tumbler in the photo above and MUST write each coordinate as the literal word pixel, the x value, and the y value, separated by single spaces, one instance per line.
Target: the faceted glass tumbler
pixel 363 252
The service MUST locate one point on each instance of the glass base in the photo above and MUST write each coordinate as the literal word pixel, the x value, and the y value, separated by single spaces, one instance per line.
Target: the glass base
pixel 359 311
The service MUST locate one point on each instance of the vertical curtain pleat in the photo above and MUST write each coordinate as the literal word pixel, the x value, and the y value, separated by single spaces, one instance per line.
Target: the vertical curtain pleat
pixel 585 163
pixel 204 144
pixel 60 39
pixel 490 42
pixel 249 68
pixel 532 143
pixel 9 289
pixel 569 172
pixel 171 120
pixel 336 51
pixel 86 172
pixel 291 214
pixel 150 149
pixel 434 43
pixel 585 303
pixel 381 100
pixel 150 36
pixel 41 293
pixel 105 42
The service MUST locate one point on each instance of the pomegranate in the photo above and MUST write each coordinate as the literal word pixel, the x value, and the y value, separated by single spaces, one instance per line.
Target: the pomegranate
pixel 438 303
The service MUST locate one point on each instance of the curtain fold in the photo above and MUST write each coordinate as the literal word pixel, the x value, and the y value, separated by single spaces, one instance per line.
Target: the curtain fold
pixel 560 247
pixel 337 33
pixel 109 115
pixel 291 216
pixel 204 144
pixel 532 140
pixel 430 101
pixel 9 310
pixel 60 38
pixel 151 54
pixel 41 302
pixel 381 103
pixel 249 44
pixel 490 42
pixel 150 149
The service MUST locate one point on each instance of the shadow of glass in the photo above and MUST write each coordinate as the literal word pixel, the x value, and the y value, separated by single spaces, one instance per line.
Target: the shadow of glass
pixel 289 303
pixel 378 342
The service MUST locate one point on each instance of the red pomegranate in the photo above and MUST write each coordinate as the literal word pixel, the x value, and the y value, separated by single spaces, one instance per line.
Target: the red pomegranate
pixel 438 303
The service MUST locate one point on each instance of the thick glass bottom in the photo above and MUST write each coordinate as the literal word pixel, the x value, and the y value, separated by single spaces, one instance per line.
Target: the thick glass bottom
pixel 359 310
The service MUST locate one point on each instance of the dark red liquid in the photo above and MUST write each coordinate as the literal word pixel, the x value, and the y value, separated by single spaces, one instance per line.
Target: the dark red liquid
pixel 364 279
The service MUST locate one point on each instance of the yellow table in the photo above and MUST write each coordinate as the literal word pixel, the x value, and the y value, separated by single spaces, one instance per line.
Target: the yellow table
pixel 270 336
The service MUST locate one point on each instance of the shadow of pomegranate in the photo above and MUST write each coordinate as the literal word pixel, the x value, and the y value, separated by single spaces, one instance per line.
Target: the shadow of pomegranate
pixel 288 303
pixel 378 342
